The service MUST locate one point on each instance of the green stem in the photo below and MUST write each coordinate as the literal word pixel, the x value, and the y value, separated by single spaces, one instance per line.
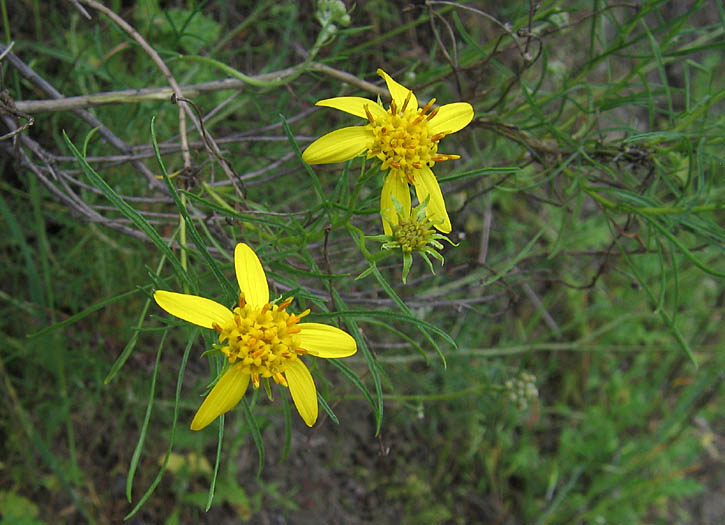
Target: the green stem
pixel 6 21
pixel 653 210
pixel 252 81
pixel 217 198
pixel 294 72
pixel 676 210
pixel 434 397
pixel 182 241
pixel 353 198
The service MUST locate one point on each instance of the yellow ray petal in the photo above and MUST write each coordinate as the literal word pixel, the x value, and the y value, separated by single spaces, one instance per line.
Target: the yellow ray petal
pixel 451 118
pixel 197 310
pixel 398 91
pixel 250 276
pixel 427 184
pixel 302 388
pixel 394 186
pixel 323 340
pixel 339 145
pixel 223 397
pixel 354 106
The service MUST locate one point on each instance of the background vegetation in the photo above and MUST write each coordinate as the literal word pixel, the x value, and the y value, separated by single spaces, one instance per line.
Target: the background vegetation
pixel 588 208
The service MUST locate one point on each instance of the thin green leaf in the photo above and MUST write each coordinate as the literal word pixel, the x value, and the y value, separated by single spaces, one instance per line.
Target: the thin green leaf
pixel 217 461
pixel 128 349
pixel 354 379
pixel 185 358
pixel 133 465
pixel 327 408
pixel 313 176
pixel 256 434
pixel 286 410
pixel 128 211
pixel 369 358
pixel 663 314
pixel 88 311
pixel 34 280
pixel 404 307
pixel 198 241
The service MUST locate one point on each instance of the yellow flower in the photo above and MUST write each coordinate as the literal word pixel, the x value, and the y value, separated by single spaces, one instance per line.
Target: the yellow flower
pixel 404 137
pixel 412 232
pixel 260 340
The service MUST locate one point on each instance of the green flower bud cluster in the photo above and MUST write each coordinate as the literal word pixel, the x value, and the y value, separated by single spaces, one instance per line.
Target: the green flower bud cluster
pixel 522 390
pixel 330 14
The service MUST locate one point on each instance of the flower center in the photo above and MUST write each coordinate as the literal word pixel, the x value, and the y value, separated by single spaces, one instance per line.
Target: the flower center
pixel 402 138
pixel 262 339
pixel 411 235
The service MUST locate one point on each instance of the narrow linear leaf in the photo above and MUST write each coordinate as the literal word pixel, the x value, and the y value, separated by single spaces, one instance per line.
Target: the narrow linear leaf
pixel 404 307
pixel 128 349
pixel 128 211
pixel 217 461
pixel 84 313
pixel 287 428
pixel 198 241
pixel 663 314
pixel 256 434
pixel 402 335
pixel 34 280
pixel 313 176
pixel 385 314
pixel 172 437
pixel 144 426
pixel 327 409
pixel 674 240
pixel 354 379
pixel 377 406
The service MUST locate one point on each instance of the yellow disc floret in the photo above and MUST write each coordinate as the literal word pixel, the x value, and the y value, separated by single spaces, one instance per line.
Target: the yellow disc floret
pixel 402 140
pixel 264 340
pixel 412 235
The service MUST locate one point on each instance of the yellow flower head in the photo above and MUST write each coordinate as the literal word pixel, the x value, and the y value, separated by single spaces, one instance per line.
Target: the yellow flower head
pixel 404 137
pixel 412 232
pixel 260 340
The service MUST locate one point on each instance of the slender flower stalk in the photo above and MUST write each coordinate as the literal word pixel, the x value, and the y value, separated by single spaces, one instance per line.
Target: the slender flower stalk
pixel 260 340
pixel 404 138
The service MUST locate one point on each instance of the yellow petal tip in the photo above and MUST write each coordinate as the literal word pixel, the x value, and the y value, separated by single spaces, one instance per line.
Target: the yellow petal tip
pixel 196 425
